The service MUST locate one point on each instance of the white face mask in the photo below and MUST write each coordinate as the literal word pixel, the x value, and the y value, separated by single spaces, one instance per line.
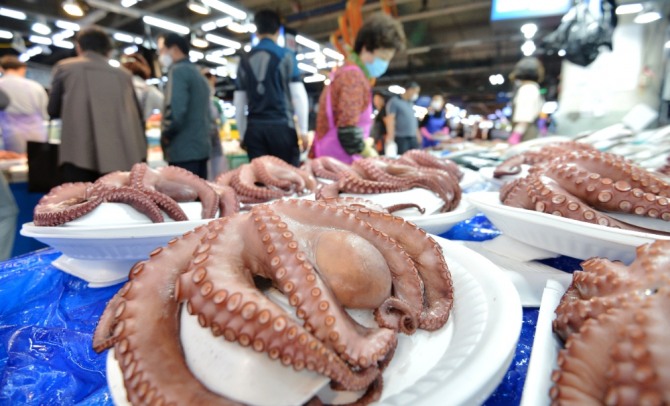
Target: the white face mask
pixel 415 97
pixel 165 60
pixel 436 105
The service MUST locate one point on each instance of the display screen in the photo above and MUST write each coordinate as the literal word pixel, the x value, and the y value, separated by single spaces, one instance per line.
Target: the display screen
pixel 520 9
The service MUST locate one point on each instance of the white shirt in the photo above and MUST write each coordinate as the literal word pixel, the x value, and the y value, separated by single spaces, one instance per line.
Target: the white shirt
pixel 527 103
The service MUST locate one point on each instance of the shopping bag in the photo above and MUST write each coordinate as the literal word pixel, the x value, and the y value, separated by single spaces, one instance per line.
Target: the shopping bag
pixel 43 172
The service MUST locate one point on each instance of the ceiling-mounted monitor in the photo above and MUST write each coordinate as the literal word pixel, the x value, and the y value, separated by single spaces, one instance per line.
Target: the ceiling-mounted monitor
pixel 527 9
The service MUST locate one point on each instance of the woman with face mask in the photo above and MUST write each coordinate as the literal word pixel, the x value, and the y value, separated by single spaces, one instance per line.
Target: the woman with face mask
pixel 434 127
pixel 345 106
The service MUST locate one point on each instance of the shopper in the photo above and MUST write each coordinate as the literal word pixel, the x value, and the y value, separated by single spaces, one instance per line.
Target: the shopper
pixel 402 126
pixel 378 130
pixel 186 116
pixel 150 98
pixel 434 124
pixel 23 118
pixel 527 101
pixel 101 119
pixel 269 88
pixel 217 161
pixel 345 107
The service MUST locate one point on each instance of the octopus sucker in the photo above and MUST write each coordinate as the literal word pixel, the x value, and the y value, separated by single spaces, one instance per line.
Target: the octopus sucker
pixel 603 183
pixel 615 324
pixel 218 282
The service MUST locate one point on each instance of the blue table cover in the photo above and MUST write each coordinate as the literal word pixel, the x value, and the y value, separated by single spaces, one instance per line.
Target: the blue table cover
pixel 47 319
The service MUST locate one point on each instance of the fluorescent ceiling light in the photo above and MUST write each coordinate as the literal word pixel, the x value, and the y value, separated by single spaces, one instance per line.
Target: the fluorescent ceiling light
pixel 223 41
pixel 63 44
pixel 167 25
pixel 197 7
pixel 307 42
pixel 195 55
pixel 237 27
pixel 333 54
pixel 314 78
pixel 528 48
pixel 119 36
pixel 67 25
pixel 59 36
pixel 632 8
pixel 226 8
pixel 114 63
pixel 307 68
pixel 8 12
pixel 247 47
pixel 199 42
pixel 647 17
pixel 128 3
pixel 529 30
pixel 223 52
pixel 396 89
pixel 130 50
pixel 6 34
pixel 216 59
pixel 210 26
pixel 41 28
pixel 251 27
pixel 36 39
pixel 561 52
pixel 73 8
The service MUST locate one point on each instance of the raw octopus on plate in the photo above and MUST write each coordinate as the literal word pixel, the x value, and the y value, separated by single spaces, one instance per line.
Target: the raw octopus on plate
pixel 414 169
pixel 324 256
pixel 586 185
pixel 615 323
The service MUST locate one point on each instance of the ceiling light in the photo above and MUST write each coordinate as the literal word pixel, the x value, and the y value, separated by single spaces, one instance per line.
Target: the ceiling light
pixel 67 25
pixel 251 27
pixel 210 26
pixel 114 63
pixel 216 59
pixel 63 44
pixel 223 41
pixel 36 39
pixel 237 27
pixel 8 12
pixel 396 89
pixel 247 47
pixel 41 28
pixel 167 25
pixel 333 54
pixel 307 42
pixel 314 78
pixel 6 34
pixel 307 68
pixel 561 52
pixel 528 48
pixel 121 37
pixel 130 50
pixel 72 7
pixel 62 35
pixel 199 42
pixel 128 3
pixel 226 8
pixel 195 55
pixel 197 7
pixel 649 15
pixel 632 8
pixel 529 30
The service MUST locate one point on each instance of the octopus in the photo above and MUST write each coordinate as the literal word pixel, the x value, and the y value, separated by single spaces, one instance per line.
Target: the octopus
pixel 585 185
pixel 267 178
pixel 152 192
pixel 615 324
pixel 512 166
pixel 324 256
pixel 383 175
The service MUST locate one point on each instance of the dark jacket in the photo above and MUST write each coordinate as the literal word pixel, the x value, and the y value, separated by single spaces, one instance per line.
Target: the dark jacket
pixel 186 117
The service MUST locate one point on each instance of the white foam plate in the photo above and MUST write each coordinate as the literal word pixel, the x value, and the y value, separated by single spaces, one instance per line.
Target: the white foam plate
pixel 546 346
pixel 561 235
pixel 460 364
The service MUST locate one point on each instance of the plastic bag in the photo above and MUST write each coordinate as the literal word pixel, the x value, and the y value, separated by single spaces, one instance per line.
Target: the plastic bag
pixel 581 34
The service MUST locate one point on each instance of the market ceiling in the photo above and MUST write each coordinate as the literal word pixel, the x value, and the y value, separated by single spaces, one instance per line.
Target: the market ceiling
pixel 452 46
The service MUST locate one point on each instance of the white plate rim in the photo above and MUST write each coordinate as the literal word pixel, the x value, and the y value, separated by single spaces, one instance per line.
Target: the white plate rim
pixel 490 201
pixel 501 333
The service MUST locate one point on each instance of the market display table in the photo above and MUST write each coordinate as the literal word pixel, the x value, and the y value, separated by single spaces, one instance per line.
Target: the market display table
pixel 47 319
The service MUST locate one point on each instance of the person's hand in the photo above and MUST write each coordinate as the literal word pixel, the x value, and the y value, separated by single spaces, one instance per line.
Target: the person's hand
pixel 369 148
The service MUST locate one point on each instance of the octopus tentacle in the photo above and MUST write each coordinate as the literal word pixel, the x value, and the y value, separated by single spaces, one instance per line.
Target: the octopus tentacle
pixel 273 171
pixel 136 330
pixel 295 276
pixel 209 287
pixel 245 185
pixel 125 194
pixel 427 256
pixel 329 168
pixel 229 202
pixel 421 158
pixel 407 285
pixel 64 203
